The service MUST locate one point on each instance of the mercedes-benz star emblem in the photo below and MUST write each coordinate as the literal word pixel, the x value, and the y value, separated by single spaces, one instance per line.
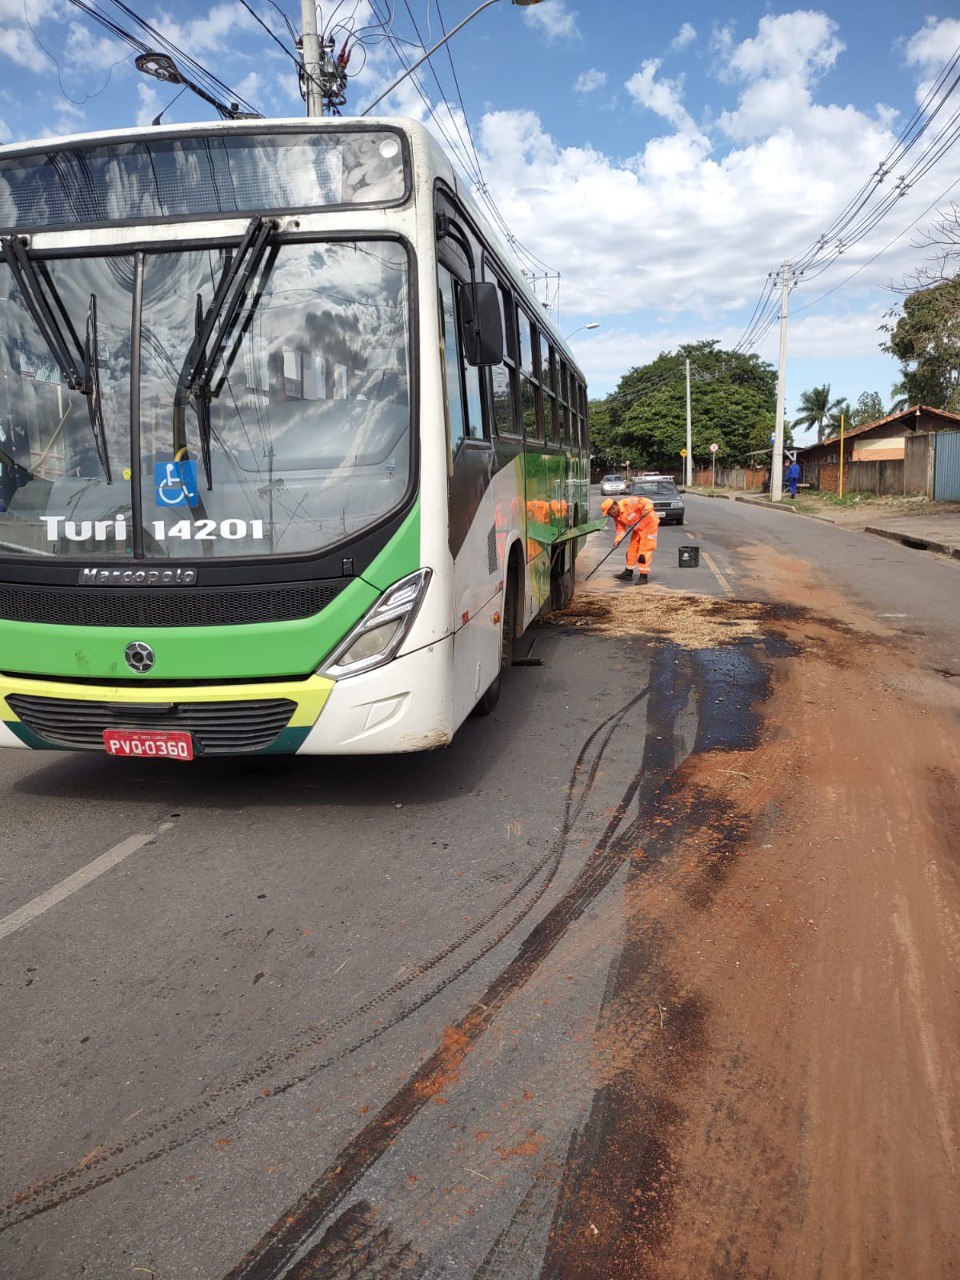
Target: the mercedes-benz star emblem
pixel 139 656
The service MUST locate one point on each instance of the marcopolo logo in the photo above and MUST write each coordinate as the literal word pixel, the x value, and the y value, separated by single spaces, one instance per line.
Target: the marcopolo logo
pixel 139 657
pixel 137 578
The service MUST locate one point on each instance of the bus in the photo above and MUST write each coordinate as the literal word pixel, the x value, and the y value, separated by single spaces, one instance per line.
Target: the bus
pixel 290 453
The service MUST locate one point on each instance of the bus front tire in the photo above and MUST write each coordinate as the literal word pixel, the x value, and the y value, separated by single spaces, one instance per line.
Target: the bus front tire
pixel 508 629
pixel 563 577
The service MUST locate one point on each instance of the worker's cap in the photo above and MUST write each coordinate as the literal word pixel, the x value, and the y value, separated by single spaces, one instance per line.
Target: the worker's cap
pixel 606 505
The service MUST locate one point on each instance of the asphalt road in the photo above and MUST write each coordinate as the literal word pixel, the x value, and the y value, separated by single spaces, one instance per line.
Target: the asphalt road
pixel 336 1017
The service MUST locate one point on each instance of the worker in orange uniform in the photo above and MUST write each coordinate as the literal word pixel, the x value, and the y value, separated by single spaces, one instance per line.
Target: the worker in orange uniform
pixel 638 516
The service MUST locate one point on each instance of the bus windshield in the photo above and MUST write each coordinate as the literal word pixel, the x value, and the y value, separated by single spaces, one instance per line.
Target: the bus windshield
pixel 297 436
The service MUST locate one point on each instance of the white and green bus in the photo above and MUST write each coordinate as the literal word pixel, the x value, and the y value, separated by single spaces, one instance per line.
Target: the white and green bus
pixel 289 452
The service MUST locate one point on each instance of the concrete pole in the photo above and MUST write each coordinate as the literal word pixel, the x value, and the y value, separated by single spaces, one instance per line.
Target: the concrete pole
pixel 311 56
pixel 776 462
pixel 689 458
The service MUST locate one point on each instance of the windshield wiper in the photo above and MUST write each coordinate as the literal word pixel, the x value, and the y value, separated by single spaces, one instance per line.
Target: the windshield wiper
pixel 212 330
pixel 78 363
pixel 94 400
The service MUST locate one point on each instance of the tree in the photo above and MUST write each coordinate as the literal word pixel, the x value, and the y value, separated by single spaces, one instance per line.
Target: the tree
pixel 840 412
pixel 869 408
pixel 732 402
pixel 817 410
pixel 605 451
pixel 926 341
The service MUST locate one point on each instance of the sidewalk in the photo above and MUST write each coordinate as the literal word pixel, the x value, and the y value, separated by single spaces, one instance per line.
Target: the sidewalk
pixel 913 522
pixel 926 533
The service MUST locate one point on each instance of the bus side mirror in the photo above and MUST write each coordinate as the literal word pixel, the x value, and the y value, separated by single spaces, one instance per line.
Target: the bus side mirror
pixel 481 324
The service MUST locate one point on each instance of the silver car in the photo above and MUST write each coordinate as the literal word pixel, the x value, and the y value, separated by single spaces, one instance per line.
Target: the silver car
pixel 612 486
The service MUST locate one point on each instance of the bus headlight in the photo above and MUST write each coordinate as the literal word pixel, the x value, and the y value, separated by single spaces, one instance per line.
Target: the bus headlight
pixel 378 636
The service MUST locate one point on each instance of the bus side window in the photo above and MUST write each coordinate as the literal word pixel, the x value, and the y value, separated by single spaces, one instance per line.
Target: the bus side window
pixel 503 376
pixel 545 376
pixel 564 397
pixel 530 409
pixel 579 397
pixel 550 379
pixel 462 380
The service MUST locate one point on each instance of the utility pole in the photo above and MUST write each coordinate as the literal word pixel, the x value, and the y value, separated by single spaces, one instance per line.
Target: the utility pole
pixel 776 462
pixel 689 458
pixel 312 66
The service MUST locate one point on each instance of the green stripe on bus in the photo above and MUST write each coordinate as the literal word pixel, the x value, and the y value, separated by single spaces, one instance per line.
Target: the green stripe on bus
pixel 259 650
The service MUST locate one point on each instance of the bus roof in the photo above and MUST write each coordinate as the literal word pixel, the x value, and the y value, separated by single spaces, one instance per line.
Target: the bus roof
pixel 427 151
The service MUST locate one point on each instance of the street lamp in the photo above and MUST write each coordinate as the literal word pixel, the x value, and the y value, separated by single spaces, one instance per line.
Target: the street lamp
pixel 439 45
pixel 594 324
pixel 162 67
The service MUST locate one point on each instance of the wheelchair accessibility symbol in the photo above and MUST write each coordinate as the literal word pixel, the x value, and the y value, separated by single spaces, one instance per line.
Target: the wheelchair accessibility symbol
pixel 176 484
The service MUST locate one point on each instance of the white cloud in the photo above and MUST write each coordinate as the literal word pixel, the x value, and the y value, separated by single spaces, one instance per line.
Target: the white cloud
pixel 17 41
pixel 661 96
pixel 590 81
pixel 19 46
pixel 5 133
pixel 929 49
pixel 781 66
pixel 553 20
pixel 686 35
pixel 211 33
pixel 250 86
pixel 798 45
pixel 686 233
pixel 150 102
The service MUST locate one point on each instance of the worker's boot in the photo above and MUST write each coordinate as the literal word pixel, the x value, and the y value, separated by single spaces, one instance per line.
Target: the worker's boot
pixel 625 576
pixel 641 579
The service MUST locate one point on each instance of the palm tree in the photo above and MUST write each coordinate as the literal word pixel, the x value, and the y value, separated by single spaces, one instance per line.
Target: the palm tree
pixel 839 409
pixel 816 410
pixel 899 394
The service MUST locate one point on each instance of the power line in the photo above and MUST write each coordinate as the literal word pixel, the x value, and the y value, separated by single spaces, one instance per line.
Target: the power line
pixel 857 220
pixel 464 150
pixel 269 30
pixel 213 88
pixel 863 266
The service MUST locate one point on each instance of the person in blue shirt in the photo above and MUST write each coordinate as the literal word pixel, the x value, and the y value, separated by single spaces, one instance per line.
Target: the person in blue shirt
pixel 793 478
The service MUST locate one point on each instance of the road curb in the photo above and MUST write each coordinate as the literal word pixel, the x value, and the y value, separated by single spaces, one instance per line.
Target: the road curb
pixel 772 506
pixel 915 544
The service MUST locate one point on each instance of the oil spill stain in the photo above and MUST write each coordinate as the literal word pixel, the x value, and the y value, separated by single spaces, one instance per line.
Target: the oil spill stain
pixel 615 1210
pixel 358 1244
pixel 655 813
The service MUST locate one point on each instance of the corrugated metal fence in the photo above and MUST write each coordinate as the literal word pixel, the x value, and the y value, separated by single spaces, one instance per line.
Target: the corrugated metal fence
pixel 946 467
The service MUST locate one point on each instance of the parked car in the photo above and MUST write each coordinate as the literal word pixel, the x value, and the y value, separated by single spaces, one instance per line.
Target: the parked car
pixel 612 486
pixel 663 493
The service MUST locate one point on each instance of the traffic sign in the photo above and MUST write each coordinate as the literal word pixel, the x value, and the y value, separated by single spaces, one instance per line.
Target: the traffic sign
pixel 714 448
pixel 683 453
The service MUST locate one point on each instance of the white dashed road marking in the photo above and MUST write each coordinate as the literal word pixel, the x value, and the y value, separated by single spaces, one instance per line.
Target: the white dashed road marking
pixel 98 867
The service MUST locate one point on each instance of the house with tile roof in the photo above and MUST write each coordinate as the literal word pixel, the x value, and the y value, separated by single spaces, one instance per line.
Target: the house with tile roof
pixel 893 455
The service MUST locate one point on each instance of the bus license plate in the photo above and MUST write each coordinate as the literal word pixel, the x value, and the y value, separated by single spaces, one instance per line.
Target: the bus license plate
pixel 152 744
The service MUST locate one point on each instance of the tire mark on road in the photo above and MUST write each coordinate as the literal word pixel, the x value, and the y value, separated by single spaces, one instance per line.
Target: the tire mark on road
pixel 290 1240
pixel 83 1177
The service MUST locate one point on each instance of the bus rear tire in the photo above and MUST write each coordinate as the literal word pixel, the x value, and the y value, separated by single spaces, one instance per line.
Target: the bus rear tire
pixel 508 630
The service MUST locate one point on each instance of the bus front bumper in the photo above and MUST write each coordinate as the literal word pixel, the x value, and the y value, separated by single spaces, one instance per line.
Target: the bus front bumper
pixel 399 707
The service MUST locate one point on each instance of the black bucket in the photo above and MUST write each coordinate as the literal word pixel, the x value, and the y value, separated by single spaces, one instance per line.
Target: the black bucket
pixel 689 557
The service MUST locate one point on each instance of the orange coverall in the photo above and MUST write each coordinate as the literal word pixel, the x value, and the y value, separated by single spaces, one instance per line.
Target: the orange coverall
pixel 638 512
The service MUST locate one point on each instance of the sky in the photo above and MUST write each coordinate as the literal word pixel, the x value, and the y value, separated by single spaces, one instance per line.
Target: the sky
pixel 661 161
